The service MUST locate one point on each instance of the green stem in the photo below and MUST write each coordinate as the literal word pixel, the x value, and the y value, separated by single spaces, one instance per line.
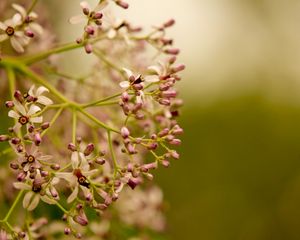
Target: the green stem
pixel 97 121
pixel 62 208
pixel 57 114
pixel 13 206
pixel 74 126
pixel 95 103
pixel 34 2
pixel 112 153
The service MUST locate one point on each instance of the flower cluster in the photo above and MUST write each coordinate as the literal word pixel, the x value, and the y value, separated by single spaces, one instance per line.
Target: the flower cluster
pixel 89 147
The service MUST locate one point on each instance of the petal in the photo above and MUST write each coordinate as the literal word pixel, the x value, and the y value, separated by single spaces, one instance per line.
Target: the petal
pixel 111 33
pixel 30 91
pixel 124 84
pixel 3 37
pixel 36 28
pixel 77 19
pixel 47 199
pixel 44 100
pixel 84 165
pixel 33 109
pixel 21 185
pixel 156 69
pixel 55 181
pixel 19 107
pixel 45 157
pixel 69 177
pixel 89 173
pixel 16 45
pixel 128 72
pixel 26 199
pixel 75 159
pixel 41 90
pixel 73 195
pixel 35 201
pixel 17 19
pixel 36 119
pixel 3 26
pixel 151 78
pixel 85 191
pixel 20 9
pixel 13 114
pixel 85 4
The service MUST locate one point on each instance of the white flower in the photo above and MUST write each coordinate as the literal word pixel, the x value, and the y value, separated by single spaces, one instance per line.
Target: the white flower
pixel 37 95
pixel 10 29
pixel 78 178
pixel 33 196
pixel 18 29
pixel 23 115
pixel 32 159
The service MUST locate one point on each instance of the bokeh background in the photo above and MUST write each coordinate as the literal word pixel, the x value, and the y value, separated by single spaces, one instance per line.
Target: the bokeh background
pixel 239 175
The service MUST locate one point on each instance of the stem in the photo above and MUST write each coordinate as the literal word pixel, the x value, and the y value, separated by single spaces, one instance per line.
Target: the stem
pixel 94 119
pixel 110 64
pixel 101 101
pixel 112 153
pixel 13 206
pixel 74 126
pixel 57 114
pixel 34 2
pixel 60 49
pixel 62 208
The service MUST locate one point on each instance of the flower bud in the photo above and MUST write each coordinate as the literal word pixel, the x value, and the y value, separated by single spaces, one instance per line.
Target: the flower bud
pixel 55 166
pixel 45 125
pixel 125 132
pixel 100 161
pixel 133 182
pixel 67 231
pixel 89 149
pixel 72 147
pixel 9 104
pixel 4 138
pixel 169 23
pixel 80 219
pixel 122 4
pixel 175 142
pixel 29 33
pixel 18 96
pixel 172 51
pixel 88 48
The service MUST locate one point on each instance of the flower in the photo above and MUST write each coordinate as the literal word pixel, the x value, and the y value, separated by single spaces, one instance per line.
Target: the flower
pixel 32 159
pixel 20 28
pixel 10 28
pixel 24 116
pixel 36 95
pixel 38 190
pixel 78 178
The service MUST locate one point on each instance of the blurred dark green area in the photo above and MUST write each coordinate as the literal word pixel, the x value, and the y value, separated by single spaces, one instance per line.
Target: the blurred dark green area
pixel 239 175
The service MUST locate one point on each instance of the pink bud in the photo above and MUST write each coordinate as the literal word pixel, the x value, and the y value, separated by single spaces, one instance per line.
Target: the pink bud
pixel 178 68
pixel 175 142
pixel 29 33
pixel 133 182
pixel 165 163
pixel 172 51
pixel 89 149
pixel 88 48
pixel 169 23
pixel 4 138
pixel 122 4
pixel 9 104
pixel 72 147
pixel 18 96
pixel 125 132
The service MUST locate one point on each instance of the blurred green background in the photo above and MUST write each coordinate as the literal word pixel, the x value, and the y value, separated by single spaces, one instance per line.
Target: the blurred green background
pixel 239 175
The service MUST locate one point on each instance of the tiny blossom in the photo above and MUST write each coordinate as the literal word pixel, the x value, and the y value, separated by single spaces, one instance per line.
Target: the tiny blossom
pixel 36 95
pixel 33 159
pixel 20 28
pixel 24 116
pixel 78 178
pixel 36 192
pixel 17 38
